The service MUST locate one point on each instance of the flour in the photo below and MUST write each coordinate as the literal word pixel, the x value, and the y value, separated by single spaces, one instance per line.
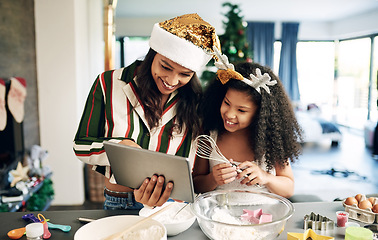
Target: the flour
pixel 221 232
pixel 153 232
pixel 224 216
pixel 168 216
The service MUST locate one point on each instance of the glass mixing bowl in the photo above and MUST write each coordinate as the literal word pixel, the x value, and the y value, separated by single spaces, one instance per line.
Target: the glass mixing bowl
pixel 219 214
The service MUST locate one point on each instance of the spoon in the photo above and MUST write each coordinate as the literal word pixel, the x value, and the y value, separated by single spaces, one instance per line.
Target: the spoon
pixel 64 228
pixel 30 217
pixel 46 232
pixel 16 233
pixel 182 208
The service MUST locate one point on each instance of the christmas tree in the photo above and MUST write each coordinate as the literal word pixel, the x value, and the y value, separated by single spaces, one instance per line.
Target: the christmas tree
pixel 234 41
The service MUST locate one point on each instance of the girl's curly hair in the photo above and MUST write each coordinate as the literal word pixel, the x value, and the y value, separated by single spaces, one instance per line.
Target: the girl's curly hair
pixel 274 132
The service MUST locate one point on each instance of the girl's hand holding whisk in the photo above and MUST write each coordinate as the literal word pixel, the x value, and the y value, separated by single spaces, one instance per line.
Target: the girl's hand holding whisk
pixel 224 173
pixel 252 174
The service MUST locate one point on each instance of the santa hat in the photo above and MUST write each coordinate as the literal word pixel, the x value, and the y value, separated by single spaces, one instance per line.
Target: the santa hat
pixel 187 40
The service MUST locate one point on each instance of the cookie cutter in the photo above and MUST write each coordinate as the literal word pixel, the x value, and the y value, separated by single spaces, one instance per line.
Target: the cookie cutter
pixel 318 222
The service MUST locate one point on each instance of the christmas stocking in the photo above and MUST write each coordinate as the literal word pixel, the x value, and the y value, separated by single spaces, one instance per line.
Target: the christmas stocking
pixel 3 111
pixel 16 98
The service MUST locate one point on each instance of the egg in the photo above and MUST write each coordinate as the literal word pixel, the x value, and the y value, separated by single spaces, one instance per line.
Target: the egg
pixel 375 208
pixel 365 204
pixel 372 200
pixel 358 197
pixel 351 201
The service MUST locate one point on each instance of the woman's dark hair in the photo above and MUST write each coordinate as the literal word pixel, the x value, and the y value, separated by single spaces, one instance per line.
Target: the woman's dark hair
pixel 189 97
pixel 274 132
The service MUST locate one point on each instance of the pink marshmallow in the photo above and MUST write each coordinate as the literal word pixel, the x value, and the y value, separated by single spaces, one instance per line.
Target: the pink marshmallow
pixel 245 217
pixel 254 220
pixel 256 213
pixel 265 218
pixel 247 211
pixel 246 214
pixel 256 216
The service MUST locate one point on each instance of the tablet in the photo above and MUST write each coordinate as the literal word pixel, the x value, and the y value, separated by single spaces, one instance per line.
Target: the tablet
pixel 131 166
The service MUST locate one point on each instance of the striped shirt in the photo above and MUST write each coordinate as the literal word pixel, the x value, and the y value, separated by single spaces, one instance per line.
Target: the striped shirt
pixel 113 112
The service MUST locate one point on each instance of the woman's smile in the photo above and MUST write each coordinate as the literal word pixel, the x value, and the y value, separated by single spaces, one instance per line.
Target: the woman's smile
pixel 167 85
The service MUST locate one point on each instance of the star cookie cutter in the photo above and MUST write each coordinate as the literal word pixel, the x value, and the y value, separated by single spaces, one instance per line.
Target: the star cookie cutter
pixel 308 234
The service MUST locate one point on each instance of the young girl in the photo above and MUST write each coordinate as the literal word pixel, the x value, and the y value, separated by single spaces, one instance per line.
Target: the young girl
pixel 150 104
pixel 249 115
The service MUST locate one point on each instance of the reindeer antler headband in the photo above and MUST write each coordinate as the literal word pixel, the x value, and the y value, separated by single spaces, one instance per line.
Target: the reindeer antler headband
pixel 226 71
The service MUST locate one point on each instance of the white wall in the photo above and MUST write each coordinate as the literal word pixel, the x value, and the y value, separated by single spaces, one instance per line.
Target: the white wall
pixel 64 74
pixel 356 26
pixel 135 26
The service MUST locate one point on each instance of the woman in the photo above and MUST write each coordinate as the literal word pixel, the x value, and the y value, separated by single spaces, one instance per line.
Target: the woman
pixel 150 104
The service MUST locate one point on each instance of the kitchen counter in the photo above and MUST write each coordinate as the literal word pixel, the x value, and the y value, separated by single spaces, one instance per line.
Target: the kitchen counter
pixel 13 220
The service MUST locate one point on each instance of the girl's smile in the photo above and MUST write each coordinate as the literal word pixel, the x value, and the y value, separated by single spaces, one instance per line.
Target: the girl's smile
pixel 229 124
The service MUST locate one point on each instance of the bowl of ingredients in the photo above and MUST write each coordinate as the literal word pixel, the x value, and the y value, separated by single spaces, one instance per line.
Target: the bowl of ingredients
pixel 177 219
pixel 241 214
pixel 104 227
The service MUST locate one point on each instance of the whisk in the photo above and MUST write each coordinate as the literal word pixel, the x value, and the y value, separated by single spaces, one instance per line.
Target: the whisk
pixel 207 148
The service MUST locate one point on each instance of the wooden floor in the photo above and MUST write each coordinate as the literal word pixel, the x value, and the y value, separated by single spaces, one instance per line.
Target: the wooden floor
pixel 323 172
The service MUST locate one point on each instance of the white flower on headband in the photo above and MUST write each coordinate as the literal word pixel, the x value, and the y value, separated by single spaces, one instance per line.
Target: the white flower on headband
pixel 222 62
pixel 260 80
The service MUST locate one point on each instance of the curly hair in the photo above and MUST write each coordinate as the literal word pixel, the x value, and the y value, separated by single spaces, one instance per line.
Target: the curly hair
pixel 189 97
pixel 274 132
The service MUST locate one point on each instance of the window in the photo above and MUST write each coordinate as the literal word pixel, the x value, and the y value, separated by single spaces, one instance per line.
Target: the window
pixel 374 79
pixel 315 64
pixel 337 77
pixel 353 62
pixel 133 48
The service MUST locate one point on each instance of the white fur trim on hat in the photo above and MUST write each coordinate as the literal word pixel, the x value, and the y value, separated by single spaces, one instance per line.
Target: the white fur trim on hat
pixel 178 49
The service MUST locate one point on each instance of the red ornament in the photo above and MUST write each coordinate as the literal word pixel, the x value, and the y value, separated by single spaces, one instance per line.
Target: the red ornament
pixel 240 32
